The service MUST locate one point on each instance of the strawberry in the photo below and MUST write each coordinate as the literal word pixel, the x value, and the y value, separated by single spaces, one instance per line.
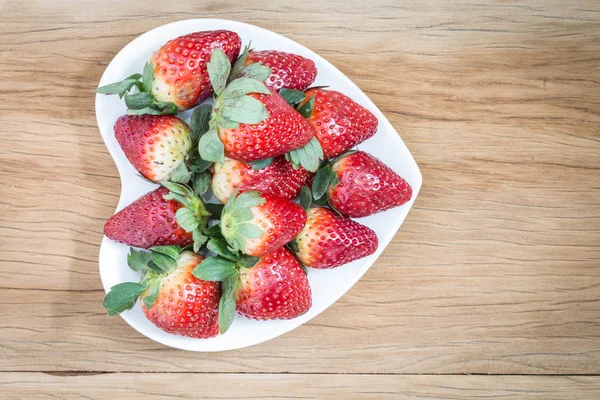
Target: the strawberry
pixel 172 298
pixel 170 215
pixel 272 287
pixel 176 77
pixel 250 121
pixel 288 70
pixel 362 185
pixel 258 223
pixel 278 178
pixel 275 288
pixel 339 123
pixel 156 145
pixel 329 240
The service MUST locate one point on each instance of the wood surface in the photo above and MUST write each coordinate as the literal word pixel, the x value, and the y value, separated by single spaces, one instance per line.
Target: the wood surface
pixel 491 288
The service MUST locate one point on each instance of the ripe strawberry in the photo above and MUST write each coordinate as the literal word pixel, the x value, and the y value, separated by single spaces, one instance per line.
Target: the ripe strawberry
pixel 156 145
pixel 275 288
pixel 328 240
pixel 278 178
pixel 272 287
pixel 258 223
pixel 250 121
pixel 180 66
pixel 172 298
pixel 176 77
pixel 339 123
pixel 366 186
pixel 289 70
pixel 158 218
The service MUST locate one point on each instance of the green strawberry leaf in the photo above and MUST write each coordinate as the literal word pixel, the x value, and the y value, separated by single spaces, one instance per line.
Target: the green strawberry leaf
pixel 199 122
pixel 292 96
pixel 186 219
pixel 147 110
pixel 165 107
pixel 122 297
pixel 199 239
pixel 178 188
pixel 211 148
pixel 309 156
pixel 215 210
pixel 148 76
pixel 239 63
pixel 243 86
pixel 227 302
pixel 321 201
pixel 152 294
pixel 226 123
pixel 255 71
pixel 181 174
pixel 201 182
pixel 305 197
pixel 245 109
pixel 246 261
pixel 334 179
pixel 321 181
pixel 250 231
pixel 165 257
pixel 200 165
pixel 138 260
pixel 219 68
pixel 306 109
pixel 219 247
pixel 119 87
pixel 260 164
pixel 152 265
pixel 213 231
pixel 214 269
pixel 138 101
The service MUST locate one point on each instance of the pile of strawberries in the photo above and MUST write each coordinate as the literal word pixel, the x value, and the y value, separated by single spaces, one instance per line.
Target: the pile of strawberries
pixel 275 152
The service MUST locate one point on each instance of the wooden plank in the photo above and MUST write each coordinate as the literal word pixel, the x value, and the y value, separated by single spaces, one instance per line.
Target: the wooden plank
pixel 306 386
pixel 495 269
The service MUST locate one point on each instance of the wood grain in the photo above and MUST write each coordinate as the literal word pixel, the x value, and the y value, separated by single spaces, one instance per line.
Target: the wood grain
pixel 37 386
pixel 495 270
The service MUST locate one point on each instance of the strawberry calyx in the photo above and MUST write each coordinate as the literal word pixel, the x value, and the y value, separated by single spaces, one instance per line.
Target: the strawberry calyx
pixel 236 217
pixel 326 177
pixel 155 265
pixel 193 216
pixel 225 268
pixel 137 90
pixel 311 154
pixel 232 104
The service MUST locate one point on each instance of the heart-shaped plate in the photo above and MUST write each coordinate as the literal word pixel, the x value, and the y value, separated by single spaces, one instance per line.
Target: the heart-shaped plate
pixel 327 285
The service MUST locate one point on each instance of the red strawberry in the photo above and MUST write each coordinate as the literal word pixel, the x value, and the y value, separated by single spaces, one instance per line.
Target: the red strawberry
pixel 258 223
pixel 288 70
pixel 366 186
pixel 278 178
pixel 172 298
pixel 338 121
pixel 176 77
pixel 180 70
pixel 328 240
pixel 154 219
pixel 155 144
pixel 275 288
pixel 282 131
pixel 272 287
pixel 250 121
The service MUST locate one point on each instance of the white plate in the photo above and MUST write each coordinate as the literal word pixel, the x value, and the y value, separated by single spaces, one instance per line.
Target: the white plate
pixel 327 285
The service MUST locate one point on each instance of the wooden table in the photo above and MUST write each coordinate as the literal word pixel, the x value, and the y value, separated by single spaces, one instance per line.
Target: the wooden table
pixel 490 289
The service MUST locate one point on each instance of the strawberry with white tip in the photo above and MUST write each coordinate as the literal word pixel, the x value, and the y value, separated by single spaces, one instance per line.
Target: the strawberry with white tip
pixel 172 298
pixel 258 223
pixel 278 177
